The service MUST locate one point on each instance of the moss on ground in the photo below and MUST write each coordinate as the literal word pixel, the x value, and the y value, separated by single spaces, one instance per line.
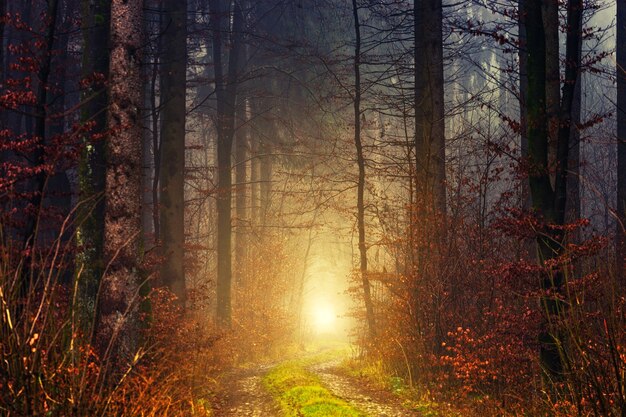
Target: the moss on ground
pixel 301 394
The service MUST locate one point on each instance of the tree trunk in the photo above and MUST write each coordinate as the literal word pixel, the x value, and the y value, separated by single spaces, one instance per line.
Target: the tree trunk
pixel 549 202
pixel 360 159
pixel 550 11
pixel 573 205
pixel 429 105
pixel 226 93
pixel 620 231
pixel 254 181
pixel 3 12
pixel 523 99
pixel 241 153
pixel 116 319
pixel 172 169
pixel 96 26
pixel 41 115
pixel 265 175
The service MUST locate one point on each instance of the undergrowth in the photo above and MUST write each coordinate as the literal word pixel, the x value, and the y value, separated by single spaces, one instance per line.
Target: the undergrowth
pixel 374 373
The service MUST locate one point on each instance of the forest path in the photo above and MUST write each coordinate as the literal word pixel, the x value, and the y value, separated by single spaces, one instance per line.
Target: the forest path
pixel 243 393
pixel 374 402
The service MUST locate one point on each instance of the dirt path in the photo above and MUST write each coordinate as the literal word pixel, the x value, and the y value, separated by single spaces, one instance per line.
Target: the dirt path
pixel 243 394
pixel 374 402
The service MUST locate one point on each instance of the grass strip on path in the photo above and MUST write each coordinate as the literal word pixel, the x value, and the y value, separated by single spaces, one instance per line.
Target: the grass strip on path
pixel 301 394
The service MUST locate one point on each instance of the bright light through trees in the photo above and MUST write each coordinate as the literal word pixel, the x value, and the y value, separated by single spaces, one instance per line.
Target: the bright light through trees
pixel 324 318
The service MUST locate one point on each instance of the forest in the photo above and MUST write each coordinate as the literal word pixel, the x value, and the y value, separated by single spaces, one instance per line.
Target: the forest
pixel 312 208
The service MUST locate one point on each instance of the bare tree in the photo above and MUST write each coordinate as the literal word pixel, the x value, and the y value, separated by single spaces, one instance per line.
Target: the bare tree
pixel 96 22
pixel 621 139
pixel 429 104
pixel 549 201
pixel 360 159
pixel 226 95
pixel 172 167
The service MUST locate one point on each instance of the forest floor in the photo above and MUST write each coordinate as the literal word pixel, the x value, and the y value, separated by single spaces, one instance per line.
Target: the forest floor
pixel 248 392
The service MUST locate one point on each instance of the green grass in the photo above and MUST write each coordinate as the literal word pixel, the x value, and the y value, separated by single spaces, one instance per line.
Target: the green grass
pixel 301 394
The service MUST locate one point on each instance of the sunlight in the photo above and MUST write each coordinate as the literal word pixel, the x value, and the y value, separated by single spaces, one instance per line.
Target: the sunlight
pixel 324 318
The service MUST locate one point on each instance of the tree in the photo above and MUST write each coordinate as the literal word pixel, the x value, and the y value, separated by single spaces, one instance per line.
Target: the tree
pixel 369 308
pixel 116 318
pixel 226 95
pixel 172 169
pixel 96 18
pixel 241 152
pixel 549 202
pixel 39 133
pixel 621 141
pixel 429 105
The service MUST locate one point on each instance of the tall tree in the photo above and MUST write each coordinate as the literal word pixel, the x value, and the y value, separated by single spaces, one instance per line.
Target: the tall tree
pixel 241 153
pixel 226 95
pixel 3 12
pixel 360 159
pixel 549 201
pixel 523 97
pixel 429 104
pixel 96 25
pixel 114 338
pixel 40 120
pixel 621 140
pixel 172 169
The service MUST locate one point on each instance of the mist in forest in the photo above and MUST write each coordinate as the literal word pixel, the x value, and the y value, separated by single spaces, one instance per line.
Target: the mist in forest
pixel 312 208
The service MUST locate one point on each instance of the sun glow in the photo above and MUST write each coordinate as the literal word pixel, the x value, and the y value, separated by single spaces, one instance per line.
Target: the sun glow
pixel 324 318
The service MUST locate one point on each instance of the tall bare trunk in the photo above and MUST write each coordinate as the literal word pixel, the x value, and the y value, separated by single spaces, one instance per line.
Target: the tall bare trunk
pixel 254 182
pixel 39 132
pixel 96 26
pixel 116 320
pixel 360 159
pixel 550 11
pixel 621 142
pixel 549 202
pixel 241 153
pixel 523 99
pixel 429 104
pixel 226 94
pixel 172 169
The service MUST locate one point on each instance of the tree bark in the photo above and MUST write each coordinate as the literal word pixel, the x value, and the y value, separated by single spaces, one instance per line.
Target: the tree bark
pixel 360 159
pixel 550 11
pixel 620 231
pixel 39 133
pixel 429 105
pixel 116 320
pixel 172 169
pixel 523 99
pixel 96 26
pixel 241 153
pixel 226 93
pixel 549 202
pixel 3 12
